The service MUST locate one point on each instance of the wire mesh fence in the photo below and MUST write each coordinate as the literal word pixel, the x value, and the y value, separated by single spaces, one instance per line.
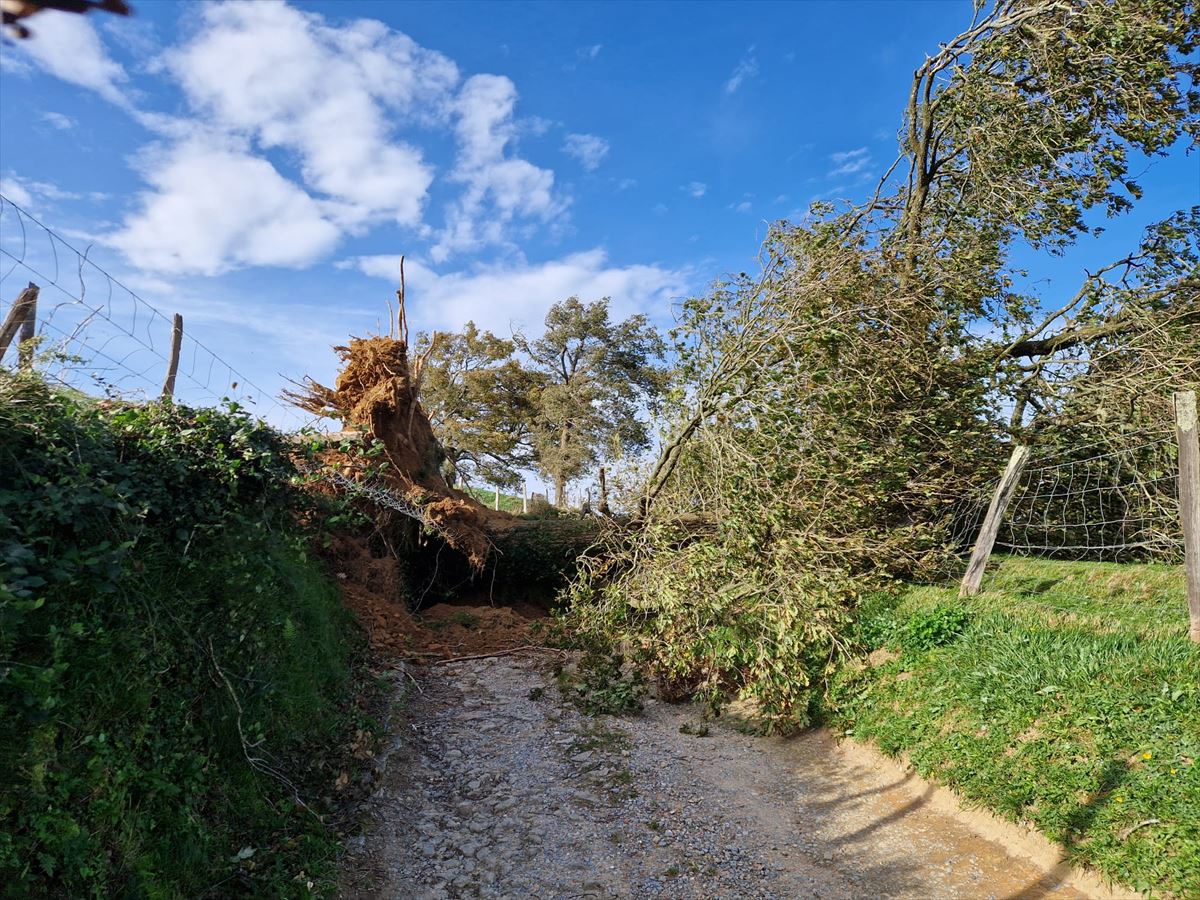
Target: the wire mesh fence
pixel 94 334
pixel 1115 505
pixel 1111 501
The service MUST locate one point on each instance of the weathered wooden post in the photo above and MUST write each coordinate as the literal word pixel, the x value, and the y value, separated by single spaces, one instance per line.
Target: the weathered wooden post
pixel 496 505
pixel 524 497
pixel 991 522
pixel 18 315
pixel 28 332
pixel 168 390
pixel 1189 501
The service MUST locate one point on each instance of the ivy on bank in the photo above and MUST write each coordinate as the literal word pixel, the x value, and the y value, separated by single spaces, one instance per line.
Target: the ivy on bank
pixel 173 664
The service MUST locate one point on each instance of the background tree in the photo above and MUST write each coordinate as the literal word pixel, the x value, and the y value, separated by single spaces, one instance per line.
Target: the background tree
pixel 481 403
pixel 598 377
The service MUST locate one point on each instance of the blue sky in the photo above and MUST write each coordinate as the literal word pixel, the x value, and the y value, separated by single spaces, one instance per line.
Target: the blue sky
pixel 259 166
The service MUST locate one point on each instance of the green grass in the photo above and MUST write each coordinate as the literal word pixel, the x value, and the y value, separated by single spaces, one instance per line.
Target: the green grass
pixel 1069 700
pixel 487 496
pixel 1146 600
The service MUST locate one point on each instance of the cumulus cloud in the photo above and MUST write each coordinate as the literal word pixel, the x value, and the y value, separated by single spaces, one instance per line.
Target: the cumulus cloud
pixel 327 94
pixel 267 86
pixel 587 148
pixel 499 187
pixel 746 68
pixel 213 206
pixel 498 296
pixel 696 189
pixel 69 48
pixel 849 162
pixel 27 192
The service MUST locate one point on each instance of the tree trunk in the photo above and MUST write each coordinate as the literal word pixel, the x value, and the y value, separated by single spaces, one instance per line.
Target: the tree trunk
pixel 603 493
pixel 560 478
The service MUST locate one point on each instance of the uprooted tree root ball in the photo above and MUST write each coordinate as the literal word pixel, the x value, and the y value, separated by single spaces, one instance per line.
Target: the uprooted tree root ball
pixel 379 390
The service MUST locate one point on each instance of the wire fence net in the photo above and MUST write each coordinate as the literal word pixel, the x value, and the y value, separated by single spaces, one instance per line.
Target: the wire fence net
pixel 96 335
pixel 1115 501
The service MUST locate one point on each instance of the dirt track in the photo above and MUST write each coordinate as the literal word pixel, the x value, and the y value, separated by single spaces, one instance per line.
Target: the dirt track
pixel 495 788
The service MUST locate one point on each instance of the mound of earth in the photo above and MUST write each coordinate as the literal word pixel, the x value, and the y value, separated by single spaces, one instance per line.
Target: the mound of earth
pixel 374 590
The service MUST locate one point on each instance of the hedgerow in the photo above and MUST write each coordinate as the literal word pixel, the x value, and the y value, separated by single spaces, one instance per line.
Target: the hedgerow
pixel 174 666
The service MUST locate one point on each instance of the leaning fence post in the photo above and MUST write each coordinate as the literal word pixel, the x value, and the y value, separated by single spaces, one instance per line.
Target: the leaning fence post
pixel 18 315
pixel 991 522
pixel 28 331
pixel 1189 502
pixel 168 390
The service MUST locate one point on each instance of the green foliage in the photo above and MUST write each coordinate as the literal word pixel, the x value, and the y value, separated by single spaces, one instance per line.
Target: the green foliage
pixel 487 496
pixel 481 403
pixel 166 644
pixel 603 684
pixel 542 556
pixel 1081 726
pixel 597 374
pixel 832 409
pixel 934 627
pixel 717 619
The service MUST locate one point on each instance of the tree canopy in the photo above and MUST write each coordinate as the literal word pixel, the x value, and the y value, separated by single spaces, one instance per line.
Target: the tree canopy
pixel 599 375
pixel 481 403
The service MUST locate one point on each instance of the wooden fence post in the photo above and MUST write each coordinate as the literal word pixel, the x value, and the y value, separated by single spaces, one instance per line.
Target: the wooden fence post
pixel 1189 501
pixel 497 503
pixel 18 315
pixel 991 522
pixel 168 390
pixel 28 332
pixel 524 496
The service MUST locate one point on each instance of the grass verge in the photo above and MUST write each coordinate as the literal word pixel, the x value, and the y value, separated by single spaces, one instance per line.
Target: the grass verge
pixel 1065 696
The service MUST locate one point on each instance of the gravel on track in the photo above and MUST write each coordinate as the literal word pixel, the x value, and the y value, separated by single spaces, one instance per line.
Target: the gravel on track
pixel 494 787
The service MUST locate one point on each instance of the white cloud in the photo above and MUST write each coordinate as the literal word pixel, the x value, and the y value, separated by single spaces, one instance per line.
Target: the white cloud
pixel 58 120
pixel 742 207
pixel 584 54
pixel 267 86
pixel 520 294
pixel 659 209
pixel 746 68
pixel 849 162
pixel 214 206
pixel 30 191
pixel 499 188
pixel 696 188
pixel 587 148
pixel 69 48
pixel 327 94
pixel 14 189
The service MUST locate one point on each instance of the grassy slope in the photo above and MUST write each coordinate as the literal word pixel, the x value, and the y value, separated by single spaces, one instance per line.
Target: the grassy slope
pixel 1071 701
pixel 487 496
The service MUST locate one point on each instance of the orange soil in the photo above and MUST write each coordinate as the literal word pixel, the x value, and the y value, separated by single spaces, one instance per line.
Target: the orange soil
pixel 373 590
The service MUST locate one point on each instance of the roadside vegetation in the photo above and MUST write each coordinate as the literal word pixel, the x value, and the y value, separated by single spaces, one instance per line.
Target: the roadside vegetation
pixel 176 669
pixel 1064 696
